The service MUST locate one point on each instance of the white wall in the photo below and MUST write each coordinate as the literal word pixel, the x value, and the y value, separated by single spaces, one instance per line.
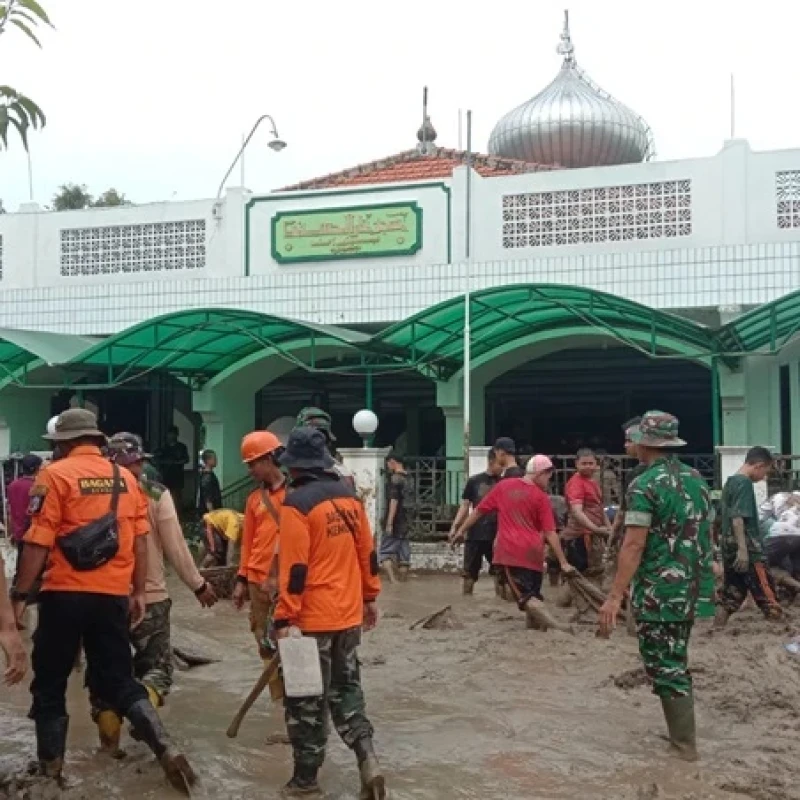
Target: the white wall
pixel 735 255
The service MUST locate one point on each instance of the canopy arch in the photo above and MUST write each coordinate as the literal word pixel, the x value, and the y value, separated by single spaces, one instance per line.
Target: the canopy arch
pixel 502 317
pixel 768 328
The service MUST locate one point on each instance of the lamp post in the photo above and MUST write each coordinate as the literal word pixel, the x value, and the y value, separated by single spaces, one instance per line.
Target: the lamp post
pixel 277 144
pixel 365 423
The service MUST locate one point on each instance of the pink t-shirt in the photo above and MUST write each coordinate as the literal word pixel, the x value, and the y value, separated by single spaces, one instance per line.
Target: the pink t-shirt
pixel 18 502
pixel 524 515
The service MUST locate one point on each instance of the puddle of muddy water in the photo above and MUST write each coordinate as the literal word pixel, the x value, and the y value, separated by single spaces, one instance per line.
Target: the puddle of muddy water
pixel 490 711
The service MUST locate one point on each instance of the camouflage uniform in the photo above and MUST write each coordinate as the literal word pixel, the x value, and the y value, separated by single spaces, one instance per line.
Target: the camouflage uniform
pixel 674 583
pixel 341 675
pixel 152 659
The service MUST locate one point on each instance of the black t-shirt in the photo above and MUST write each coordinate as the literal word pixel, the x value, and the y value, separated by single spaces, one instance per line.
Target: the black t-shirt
pixel 401 488
pixel 171 459
pixel 477 487
pixel 209 493
pixel 513 472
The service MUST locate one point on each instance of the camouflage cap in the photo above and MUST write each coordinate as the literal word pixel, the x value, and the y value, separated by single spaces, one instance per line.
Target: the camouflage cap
pixel 314 417
pixel 126 449
pixel 657 429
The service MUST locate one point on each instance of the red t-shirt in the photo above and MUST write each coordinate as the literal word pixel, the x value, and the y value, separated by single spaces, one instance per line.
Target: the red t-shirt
pixel 586 491
pixel 524 515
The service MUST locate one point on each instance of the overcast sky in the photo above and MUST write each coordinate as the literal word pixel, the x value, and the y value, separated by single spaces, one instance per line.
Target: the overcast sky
pixel 153 98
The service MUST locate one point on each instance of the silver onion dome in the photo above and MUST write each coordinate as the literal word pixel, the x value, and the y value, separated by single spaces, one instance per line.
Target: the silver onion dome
pixel 572 123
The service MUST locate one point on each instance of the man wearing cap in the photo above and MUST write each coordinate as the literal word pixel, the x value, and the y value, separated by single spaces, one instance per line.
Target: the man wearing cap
pixel 524 523
pixel 152 661
pixel 258 562
pixel 506 451
pixel 328 587
pixel 667 553
pixel 89 527
pixel 314 417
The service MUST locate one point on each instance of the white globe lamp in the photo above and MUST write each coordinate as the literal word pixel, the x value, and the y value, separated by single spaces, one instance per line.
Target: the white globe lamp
pixel 51 425
pixel 365 423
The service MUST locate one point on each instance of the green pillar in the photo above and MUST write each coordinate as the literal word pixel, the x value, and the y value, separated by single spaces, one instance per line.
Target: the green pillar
pixel 794 397
pixel 24 414
pixel 369 400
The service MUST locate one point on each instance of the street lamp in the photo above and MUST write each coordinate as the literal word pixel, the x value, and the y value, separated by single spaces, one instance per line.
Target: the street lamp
pixel 365 423
pixel 277 144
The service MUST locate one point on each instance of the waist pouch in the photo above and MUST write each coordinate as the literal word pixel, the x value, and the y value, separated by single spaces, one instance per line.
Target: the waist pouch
pixel 96 543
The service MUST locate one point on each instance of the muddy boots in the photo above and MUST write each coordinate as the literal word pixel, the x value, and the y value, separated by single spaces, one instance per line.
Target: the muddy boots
pixel 540 618
pixel 373 785
pixel 679 713
pixel 51 744
pixel 402 573
pixel 303 783
pixel 467 586
pixel 147 724
pixel 109 726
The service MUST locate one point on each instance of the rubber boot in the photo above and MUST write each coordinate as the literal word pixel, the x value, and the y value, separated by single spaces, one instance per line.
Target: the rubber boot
pixel 147 724
pixel 388 567
pixel 156 700
pixel 468 586
pixel 51 745
pixel 721 618
pixel 542 617
pixel 402 573
pixel 109 728
pixel 533 625
pixel 302 784
pixel 679 713
pixel 373 784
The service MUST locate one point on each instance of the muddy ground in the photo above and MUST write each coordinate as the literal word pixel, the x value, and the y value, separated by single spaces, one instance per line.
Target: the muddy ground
pixel 488 711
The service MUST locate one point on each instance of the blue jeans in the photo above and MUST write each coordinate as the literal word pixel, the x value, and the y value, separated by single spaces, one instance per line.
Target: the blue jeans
pixel 397 549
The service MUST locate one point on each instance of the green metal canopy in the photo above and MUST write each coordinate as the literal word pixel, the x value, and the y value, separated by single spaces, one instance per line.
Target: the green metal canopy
pixel 501 315
pixel 206 342
pixel 770 327
pixel 21 350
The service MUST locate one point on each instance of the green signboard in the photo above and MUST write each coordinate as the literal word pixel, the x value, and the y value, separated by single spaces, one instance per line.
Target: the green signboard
pixel 326 234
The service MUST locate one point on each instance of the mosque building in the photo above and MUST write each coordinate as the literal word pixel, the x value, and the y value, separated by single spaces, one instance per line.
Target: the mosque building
pixel 601 282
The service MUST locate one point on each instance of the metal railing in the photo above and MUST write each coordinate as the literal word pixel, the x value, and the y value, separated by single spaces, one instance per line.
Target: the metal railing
pixel 785 475
pixel 234 496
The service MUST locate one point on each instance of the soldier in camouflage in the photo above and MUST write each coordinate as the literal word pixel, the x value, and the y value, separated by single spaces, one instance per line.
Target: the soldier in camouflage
pixel 150 640
pixel 667 553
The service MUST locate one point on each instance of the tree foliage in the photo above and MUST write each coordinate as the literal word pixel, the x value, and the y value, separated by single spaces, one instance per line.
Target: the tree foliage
pixel 71 197
pixel 75 196
pixel 111 197
pixel 17 110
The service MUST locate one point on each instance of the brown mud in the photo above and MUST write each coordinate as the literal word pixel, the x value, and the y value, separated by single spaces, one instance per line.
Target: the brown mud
pixel 489 711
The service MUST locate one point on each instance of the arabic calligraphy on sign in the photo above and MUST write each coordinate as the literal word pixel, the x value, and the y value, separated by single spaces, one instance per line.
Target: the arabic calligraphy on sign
pixel 392 229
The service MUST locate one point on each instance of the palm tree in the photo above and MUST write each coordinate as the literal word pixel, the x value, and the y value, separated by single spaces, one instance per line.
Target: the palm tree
pixel 17 110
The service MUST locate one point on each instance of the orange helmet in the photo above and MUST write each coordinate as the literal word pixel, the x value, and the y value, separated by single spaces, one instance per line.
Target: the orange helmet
pixel 259 444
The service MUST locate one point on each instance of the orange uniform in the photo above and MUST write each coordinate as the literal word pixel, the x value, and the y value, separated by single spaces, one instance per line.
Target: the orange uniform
pixel 75 491
pixel 328 565
pixel 260 536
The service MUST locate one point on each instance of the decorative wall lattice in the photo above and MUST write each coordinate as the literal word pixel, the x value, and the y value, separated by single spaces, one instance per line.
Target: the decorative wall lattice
pixel 787 198
pixel 607 214
pixel 150 247
pixel 1 256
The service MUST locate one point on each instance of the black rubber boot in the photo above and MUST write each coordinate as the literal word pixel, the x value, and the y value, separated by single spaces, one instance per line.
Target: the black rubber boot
pixel 51 745
pixel 467 586
pixel 373 784
pixel 147 724
pixel 302 784
pixel 679 713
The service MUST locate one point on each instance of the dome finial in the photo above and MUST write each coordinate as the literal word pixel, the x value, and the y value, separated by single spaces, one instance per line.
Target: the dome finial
pixel 426 135
pixel 565 47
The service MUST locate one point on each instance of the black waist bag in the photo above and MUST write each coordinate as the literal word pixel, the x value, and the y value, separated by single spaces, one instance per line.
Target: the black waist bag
pixel 96 543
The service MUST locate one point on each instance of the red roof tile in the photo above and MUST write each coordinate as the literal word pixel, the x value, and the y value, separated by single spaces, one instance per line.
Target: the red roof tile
pixel 412 165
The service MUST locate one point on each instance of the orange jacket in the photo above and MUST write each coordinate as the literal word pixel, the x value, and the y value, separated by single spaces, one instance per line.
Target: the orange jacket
pixel 328 567
pixel 260 535
pixel 75 491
